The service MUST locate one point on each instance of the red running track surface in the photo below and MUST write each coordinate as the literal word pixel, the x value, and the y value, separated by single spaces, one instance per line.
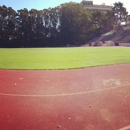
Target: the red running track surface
pixel 95 98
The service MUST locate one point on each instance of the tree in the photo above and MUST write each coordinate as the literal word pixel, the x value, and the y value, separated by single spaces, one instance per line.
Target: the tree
pixel 22 26
pixel 10 22
pixel 74 23
pixel 120 13
pixel 3 15
pixel 106 21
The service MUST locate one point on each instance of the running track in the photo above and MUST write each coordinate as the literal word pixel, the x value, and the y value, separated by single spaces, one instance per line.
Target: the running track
pixel 95 98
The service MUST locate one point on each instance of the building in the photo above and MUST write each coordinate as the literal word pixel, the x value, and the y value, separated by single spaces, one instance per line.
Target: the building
pixel 94 8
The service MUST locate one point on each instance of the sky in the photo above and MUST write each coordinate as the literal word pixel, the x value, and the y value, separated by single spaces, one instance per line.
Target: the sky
pixel 45 4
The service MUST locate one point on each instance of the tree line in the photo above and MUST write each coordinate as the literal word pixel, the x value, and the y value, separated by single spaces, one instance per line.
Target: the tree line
pixel 67 24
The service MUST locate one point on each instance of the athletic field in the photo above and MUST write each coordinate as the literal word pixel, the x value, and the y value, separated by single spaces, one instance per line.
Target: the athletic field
pixel 62 58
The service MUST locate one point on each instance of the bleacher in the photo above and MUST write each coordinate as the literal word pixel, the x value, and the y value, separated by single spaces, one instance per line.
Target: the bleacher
pixel 116 37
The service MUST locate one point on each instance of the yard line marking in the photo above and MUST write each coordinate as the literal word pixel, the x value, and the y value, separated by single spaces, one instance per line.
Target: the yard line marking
pixel 63 94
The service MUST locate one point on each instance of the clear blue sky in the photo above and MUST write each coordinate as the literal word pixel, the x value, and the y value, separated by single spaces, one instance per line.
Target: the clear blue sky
pixel 42 4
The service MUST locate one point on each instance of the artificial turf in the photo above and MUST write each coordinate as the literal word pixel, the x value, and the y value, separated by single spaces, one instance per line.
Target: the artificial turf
pixel 62 58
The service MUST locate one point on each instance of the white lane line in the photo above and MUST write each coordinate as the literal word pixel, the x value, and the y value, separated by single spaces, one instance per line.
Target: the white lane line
pixel 125 128
pixel 63 94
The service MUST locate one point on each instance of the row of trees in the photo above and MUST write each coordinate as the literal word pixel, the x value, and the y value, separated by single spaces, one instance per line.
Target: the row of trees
pixel 68 23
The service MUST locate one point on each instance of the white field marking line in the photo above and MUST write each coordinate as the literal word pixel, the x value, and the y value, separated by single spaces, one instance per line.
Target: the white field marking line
pixel 63 94
pixel 125 128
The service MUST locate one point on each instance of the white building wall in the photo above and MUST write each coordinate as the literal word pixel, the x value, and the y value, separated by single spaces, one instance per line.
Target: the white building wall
pixel 90 6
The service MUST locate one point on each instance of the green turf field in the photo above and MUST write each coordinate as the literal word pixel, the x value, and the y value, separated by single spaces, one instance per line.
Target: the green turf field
pixel 62 58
